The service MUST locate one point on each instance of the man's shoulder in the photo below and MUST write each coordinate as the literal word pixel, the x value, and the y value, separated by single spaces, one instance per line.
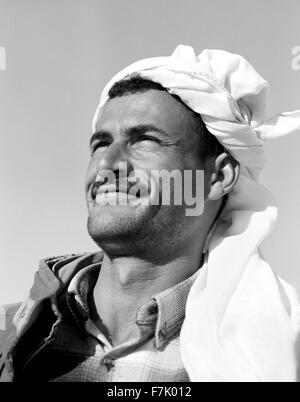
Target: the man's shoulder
pixel 64 267
pixel 61 260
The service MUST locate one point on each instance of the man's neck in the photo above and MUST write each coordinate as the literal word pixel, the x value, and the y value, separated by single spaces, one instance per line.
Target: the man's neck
pixel 126 282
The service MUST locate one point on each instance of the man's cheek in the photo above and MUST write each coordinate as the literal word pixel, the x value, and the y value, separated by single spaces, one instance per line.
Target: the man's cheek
pixel 90 174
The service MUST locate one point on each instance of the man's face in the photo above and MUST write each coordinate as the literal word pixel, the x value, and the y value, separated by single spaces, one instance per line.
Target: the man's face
pixel 145 131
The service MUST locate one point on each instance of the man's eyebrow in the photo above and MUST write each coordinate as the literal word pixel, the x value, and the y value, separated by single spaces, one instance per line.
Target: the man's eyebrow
pixel 131 131
pixel 98 135
pixel 144 128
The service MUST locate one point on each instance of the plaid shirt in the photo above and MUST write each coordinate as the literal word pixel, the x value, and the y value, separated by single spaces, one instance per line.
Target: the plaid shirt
pixel 79 352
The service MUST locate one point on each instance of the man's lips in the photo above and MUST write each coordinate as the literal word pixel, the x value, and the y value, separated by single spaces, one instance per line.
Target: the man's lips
pixel 100 188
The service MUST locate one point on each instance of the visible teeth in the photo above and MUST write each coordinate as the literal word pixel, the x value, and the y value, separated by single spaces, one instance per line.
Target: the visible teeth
pixel 100 179
pixel 95 189
pixel 112 198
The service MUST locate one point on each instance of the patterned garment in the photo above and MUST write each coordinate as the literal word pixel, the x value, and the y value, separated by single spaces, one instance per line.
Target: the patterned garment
pixel 79 352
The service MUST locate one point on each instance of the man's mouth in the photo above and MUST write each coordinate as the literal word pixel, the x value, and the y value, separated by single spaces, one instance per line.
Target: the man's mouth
pixel 100 188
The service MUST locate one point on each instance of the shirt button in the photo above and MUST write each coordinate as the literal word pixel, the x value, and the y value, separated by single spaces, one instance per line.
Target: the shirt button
pixel 108 363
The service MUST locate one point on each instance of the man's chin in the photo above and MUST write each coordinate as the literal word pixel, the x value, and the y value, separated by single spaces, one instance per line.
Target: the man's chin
pixel 118 222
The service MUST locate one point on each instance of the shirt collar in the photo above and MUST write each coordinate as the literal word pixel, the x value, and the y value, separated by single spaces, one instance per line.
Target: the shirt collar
pixel 171 309
pixel 165 310
pixel 78 289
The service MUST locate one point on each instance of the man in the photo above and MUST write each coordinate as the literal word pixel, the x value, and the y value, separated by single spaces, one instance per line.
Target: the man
pixel 171 295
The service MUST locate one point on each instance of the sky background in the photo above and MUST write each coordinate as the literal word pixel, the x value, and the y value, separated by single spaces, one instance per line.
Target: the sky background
pixel 59 55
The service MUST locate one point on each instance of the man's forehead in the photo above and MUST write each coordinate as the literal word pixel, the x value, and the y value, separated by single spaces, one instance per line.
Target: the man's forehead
pixel 149 107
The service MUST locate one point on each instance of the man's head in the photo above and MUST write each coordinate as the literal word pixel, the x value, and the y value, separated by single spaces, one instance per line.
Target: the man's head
pixel 148 129
pixel 208 145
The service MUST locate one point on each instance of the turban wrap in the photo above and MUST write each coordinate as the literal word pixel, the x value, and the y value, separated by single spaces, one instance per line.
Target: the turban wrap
pixel 242 321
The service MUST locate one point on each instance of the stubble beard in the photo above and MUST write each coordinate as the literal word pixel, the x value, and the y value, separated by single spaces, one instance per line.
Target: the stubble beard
pixel 104 228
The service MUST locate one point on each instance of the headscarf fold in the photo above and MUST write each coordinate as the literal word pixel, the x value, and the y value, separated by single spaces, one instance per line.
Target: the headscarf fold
pixel 242 321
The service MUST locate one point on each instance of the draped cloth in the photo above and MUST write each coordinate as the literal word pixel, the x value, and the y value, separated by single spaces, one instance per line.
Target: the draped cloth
pixel 242 321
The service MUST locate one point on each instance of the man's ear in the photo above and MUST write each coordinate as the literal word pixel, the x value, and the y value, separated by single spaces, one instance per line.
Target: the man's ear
pixel 225 174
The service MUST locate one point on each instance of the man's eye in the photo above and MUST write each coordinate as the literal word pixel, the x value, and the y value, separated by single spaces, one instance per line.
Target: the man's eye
pixel 99 144
pixel 147 138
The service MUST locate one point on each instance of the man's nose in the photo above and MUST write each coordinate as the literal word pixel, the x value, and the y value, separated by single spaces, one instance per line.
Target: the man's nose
pixel 113 158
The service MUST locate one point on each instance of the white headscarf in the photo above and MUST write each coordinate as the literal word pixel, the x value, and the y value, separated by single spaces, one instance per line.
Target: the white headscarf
pixel 242 321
